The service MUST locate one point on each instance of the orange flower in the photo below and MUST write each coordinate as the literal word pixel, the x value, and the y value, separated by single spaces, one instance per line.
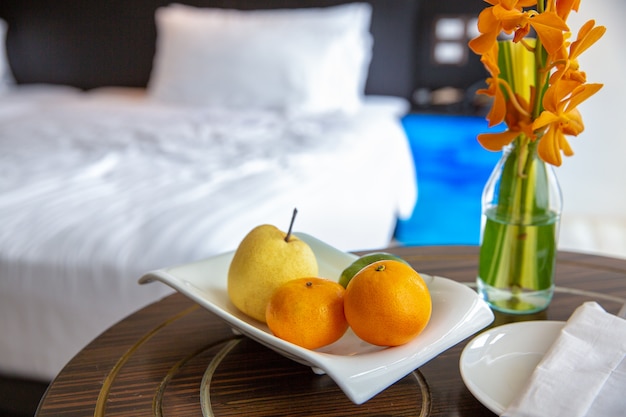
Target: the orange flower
pixel 517 120
pixel 564 7
pixel 567 63
pixel 509 16
pixel 498 109
pixel 549 27
pixel 561 117
pixel 496 141
pixel 490 60
pixel 552 75
pixel 490 26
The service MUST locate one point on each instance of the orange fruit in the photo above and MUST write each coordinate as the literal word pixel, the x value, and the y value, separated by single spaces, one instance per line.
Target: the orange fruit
pixel 387 303
pixel 307 312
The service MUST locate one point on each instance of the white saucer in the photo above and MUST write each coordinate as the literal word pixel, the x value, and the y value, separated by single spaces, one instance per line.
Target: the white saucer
pixel 361 370
pixel 496 364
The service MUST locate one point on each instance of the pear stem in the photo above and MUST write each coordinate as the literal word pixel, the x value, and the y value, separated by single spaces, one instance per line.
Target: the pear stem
pixel 293 218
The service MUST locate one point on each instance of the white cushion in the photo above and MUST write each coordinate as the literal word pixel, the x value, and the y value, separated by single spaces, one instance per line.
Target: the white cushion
pixel 295 60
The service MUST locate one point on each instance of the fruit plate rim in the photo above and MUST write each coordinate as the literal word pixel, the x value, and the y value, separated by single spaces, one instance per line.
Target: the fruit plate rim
pixel 361 370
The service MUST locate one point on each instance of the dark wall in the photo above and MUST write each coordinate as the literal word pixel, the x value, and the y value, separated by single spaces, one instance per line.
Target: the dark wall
pixel 92 43
pixel 429 74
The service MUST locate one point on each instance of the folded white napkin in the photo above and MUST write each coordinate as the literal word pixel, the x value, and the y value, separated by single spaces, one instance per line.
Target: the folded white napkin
pixel 583 373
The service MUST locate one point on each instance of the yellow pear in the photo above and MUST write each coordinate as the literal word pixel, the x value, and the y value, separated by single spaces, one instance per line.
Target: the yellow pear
pixel 266 258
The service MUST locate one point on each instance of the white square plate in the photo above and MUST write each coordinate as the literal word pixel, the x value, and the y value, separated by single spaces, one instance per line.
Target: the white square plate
pixel 360 369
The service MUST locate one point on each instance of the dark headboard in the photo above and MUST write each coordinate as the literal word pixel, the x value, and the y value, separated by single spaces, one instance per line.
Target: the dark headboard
pixel 93 43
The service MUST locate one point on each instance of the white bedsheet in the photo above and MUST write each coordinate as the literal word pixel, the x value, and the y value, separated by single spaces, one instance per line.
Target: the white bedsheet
pixel 98 188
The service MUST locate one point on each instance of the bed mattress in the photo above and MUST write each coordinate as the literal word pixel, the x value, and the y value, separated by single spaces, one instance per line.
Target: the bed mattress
pixel 98 188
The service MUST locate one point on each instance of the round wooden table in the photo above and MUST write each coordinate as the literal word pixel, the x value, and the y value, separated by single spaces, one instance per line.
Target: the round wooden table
pixel 174 358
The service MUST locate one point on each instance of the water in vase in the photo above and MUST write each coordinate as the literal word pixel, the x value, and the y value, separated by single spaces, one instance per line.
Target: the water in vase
pixel 517 262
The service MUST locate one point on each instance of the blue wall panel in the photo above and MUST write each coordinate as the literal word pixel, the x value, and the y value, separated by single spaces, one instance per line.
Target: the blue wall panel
pixel 452 169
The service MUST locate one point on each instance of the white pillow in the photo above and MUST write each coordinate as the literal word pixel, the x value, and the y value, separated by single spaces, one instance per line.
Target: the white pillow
pixel 295 60
pixel 6 78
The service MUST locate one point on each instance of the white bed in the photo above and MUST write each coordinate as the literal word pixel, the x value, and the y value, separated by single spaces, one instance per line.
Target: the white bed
pixel 99 187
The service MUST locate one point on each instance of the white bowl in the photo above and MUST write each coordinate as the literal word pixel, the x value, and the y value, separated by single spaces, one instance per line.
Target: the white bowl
pixel 360 369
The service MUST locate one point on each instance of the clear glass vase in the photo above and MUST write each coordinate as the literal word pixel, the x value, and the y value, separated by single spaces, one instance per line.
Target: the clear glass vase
pixel 521 209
